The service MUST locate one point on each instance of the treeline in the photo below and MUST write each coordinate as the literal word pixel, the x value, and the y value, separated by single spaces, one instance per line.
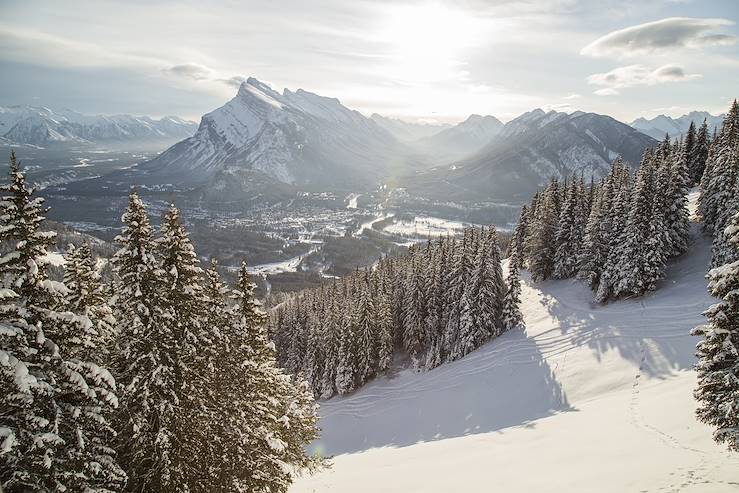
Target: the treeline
pixel 162 381
pixel 717 390
pixel 615 235
pixel 719 200
pixel 435 304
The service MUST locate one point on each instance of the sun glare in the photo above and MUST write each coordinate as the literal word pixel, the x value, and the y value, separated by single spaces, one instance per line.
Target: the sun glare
pixel 427 42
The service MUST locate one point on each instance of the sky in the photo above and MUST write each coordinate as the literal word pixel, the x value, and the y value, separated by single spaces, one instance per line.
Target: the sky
pixel 417 60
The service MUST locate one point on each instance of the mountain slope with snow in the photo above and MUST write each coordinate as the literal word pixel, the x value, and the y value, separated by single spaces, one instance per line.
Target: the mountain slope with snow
pixel 586 398
pixel 660 125
pixel 531 149
pixel 294 138
pixel 42 126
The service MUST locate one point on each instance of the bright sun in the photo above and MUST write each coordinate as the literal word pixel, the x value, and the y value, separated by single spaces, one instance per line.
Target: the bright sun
pixel 427 41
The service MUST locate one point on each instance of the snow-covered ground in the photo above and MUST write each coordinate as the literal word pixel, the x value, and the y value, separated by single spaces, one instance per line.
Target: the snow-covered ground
pixel 368 225
pixel 289 265
pixel 352 198
pixel 587 398
pixel 425 226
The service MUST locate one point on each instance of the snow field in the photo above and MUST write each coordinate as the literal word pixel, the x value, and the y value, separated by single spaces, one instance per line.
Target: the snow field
pixel 586 398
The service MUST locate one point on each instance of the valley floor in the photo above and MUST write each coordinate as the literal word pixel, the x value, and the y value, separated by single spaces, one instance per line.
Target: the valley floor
pixel 587 398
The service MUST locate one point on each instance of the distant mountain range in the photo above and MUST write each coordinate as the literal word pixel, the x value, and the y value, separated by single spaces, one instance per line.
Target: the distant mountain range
pixel 308 141
pixel 660 125
pixel 528 151
pixel 42 127
pixel 263 142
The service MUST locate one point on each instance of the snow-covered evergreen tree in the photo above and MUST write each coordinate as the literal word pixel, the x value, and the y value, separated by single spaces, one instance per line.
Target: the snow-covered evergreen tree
pixel 675 212
pixel 414 309
pixel 569 234
pixel 517 248
pixel 384 333
pixel 541 238
pixel 717 391
pixel 722 250
pixel 698 154
pixel 54 401
pixel 720 175
pixel 347 357
pixel 367 338
pixel 87 296
pixel 640 261
pixel 594 252
pixel 269 416
pixel 512 316
pixel 332 328
pixel 149 361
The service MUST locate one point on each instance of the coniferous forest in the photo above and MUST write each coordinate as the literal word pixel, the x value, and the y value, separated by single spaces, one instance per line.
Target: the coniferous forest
pixel 163 380
pixel 436 304
pixel 717 391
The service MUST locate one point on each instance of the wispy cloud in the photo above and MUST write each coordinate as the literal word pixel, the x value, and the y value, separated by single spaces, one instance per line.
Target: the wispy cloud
pixel 660 36
pixel 234 81
pixel 193 71
pixel 637 75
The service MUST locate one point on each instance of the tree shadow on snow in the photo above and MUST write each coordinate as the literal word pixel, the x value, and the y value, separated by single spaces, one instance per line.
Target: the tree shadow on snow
pixel 505 383
pixel 654 328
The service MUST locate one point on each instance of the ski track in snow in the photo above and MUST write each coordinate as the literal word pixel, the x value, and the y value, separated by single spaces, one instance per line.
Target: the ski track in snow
pixel 586 398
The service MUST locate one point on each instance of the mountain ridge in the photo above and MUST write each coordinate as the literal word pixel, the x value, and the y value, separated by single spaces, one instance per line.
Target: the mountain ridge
pixel 43 126
pixel 660 125
pixel 531 149
pixel 295 138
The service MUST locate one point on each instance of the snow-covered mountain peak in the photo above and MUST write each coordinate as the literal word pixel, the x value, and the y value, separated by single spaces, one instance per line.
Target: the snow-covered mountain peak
pixel 255 90
pixel 297 138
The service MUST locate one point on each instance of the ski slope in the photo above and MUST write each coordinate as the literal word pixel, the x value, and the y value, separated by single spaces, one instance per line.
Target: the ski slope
pixel 587 398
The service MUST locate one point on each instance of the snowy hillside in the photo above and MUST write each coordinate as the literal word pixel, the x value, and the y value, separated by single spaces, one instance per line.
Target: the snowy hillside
pixel 586 398
pixel 42 126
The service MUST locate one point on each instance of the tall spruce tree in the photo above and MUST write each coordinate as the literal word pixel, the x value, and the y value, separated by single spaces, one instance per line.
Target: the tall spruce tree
pixel 149 361
pixel 595 247
pixel 698 154
pixel 512 316
pixel 541 242
pixel 87 296
pixel 720 175
pixel 675 212
pixel 270 417
pixel 717 391
pixel 517 248
pixel 568 235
